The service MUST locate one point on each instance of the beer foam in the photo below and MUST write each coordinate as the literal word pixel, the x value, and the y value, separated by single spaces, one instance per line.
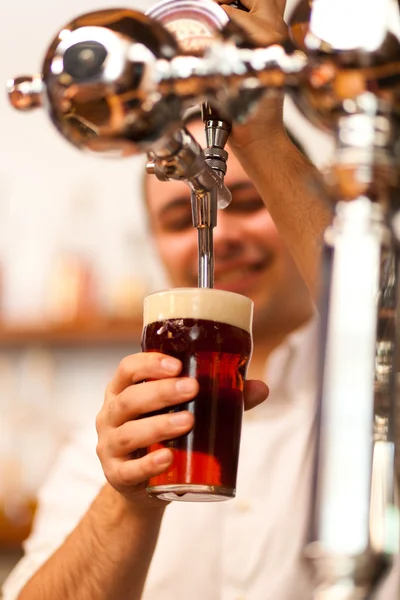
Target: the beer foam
pixel 199 303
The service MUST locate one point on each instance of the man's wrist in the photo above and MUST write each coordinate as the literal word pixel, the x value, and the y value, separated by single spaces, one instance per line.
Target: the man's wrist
pixel 143 508
pixel 264 124
pixel 274 142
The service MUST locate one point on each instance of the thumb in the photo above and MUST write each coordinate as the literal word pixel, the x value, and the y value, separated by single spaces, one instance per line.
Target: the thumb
pixel 255 392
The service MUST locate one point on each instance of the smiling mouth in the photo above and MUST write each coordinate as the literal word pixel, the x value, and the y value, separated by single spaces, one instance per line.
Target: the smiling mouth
pixel 240 274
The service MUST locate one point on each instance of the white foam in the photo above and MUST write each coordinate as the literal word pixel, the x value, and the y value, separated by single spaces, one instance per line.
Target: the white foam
pixel 199 303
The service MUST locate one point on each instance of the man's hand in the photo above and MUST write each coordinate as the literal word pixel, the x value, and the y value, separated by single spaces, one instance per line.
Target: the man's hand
pixel 264 22
pixel 145 383
pixel 265 25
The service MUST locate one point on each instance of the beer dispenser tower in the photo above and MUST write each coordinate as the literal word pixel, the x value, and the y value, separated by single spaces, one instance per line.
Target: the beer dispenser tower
pixel 118 81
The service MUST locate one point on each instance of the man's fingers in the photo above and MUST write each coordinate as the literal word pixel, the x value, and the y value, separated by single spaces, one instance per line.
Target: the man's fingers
pixel 132 435
pixel 131 473
pixel 277 6
pixel 137 400
pixel 264 23
pixel 142 366
pixel 261 30
pixel 255 392
pixel 246 3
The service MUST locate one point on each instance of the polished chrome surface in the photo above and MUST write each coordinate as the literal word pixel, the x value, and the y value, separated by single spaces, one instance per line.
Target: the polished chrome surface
pixel 228 75
pixel 202 207
pixel 102 52
pixel 196 24
pixel 95 81
pixel 25 93
pixel 353 501
pixel 347 414
pixel 352 48
pixel 114 81
pixel 337 24
pixel 355 525
pixel 182 159
pixel 217 131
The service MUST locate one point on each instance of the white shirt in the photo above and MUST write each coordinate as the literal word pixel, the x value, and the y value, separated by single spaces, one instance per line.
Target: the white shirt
pixel 249 548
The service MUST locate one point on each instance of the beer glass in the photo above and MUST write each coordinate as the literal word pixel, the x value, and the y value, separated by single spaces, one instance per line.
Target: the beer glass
pixel 210 332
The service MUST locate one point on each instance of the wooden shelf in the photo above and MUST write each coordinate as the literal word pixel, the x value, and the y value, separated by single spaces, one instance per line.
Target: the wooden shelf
pixel 77 333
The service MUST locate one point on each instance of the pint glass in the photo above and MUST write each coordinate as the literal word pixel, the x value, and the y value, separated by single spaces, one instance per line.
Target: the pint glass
pixel 209 331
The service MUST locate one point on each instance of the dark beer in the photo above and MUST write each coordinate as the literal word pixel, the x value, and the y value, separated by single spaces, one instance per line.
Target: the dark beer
pixel 216 353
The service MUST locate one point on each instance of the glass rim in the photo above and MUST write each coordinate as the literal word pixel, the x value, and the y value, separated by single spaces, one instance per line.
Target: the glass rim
pixel 187 290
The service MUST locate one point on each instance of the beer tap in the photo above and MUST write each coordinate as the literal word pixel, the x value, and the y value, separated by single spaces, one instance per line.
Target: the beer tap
pixel 182 158
pixel 195 24
pixel 217 132
pixel 354 526
pixel 118 81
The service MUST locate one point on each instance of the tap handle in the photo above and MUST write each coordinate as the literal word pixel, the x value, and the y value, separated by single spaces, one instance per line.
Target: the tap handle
pixel 94 79
pixel 25 92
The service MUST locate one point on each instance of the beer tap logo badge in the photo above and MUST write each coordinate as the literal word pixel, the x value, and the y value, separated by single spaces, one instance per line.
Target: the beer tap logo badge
pixel 192 36
pixel 193 23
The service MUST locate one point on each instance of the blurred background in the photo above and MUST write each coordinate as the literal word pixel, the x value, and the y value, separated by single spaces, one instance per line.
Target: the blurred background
pixel 75 262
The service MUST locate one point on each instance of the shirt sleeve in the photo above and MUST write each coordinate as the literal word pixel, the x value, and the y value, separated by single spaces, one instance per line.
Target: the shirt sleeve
pixel 74 482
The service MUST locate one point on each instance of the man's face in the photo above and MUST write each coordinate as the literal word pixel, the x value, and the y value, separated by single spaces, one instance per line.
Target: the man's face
pixel 250 257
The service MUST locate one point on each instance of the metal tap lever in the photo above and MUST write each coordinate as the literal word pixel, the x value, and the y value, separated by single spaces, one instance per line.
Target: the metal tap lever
pixel 217 131
pixel 182 159
pixel 217 128
pixel 196 24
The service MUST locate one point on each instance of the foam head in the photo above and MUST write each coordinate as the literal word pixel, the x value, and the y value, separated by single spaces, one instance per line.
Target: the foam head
pixel 199 303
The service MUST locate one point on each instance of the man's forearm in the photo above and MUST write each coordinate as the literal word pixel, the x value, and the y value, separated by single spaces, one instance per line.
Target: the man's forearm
pixel 293 193
pixel 105 558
